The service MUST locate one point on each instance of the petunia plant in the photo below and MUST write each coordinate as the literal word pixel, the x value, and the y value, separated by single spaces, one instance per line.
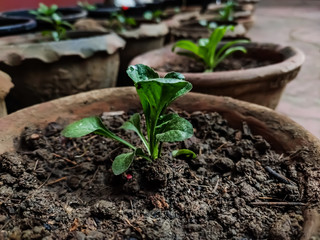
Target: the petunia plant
pixel 155 95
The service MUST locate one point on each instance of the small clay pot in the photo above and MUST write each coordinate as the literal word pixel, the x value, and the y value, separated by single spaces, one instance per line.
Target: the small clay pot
pixel 42 69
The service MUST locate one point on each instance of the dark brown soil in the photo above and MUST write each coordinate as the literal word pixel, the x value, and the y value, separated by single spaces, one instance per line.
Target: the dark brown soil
pixel 234 62
pixel 58 188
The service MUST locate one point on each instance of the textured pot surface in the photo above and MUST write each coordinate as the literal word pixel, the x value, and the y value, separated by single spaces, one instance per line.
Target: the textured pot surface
pixel 146 38
pixel 193 30
pixel 48 70
pixel 5 86
pixel 282 133
pixel 261 85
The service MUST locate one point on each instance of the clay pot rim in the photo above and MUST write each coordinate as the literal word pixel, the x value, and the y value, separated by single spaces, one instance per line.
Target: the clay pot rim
pixel 70 107
pixel 51 51
pixel 224 78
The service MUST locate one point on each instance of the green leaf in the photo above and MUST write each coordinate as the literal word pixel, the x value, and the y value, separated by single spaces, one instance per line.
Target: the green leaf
pixel 122 162
pixel 141 72
pixel 140 153
pixel 203 22
pixel 55 35
pixel 187 45
pixel 56 18
pixel 148 15
pixel 91 125
pixel 53 8
pixel 230 51
pixel 177 129
pixel 33 12
pixel 184 153
pixel 229 44
pixel 175 75
pixel 131 21
pixel 134 125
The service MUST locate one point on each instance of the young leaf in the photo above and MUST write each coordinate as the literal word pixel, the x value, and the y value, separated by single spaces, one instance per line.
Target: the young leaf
pixel 141 72
pixel 184 153
pixel 175 75
pixel 91 125
pixel 122 162
pixel 134 125
pixel 178 129
pixel 187 45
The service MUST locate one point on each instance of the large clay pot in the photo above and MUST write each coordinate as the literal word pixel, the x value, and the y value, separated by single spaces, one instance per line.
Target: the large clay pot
pixel 261 85
pixel 46 70
pixel 5 86
pixel 282 133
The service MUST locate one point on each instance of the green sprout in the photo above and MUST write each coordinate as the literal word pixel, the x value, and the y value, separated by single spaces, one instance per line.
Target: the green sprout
pixel 119 22
pixel 50 15
pixel 208 50
pixel 154 16
pixel 155 95
pixel 87 6
pixel 227 13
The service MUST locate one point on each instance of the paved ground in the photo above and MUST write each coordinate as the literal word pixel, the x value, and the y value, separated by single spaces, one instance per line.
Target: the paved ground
pixel 295 23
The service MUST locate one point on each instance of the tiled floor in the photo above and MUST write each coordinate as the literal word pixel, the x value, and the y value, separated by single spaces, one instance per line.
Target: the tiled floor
pixel 295 23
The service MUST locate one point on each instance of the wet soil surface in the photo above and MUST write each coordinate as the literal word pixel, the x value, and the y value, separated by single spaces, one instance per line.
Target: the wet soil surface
pixel 233 62
pixel 58 188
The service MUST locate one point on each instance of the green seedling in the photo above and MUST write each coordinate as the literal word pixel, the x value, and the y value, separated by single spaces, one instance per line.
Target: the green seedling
pixel 87 6
pixel 50 15
pixel 119 22
pixel 155 95
pixel 154 16
pixel 208 50
pixel 227 13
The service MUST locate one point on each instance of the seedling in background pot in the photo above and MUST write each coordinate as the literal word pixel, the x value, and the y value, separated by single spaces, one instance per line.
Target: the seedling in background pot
pixel 50 15
pixel 155 94
pixel 119 22
pixel 208 50
pixel 154 15
pixel 227 13
pixel 87 6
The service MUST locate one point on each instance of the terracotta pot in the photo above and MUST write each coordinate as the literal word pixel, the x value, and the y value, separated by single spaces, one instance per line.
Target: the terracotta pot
pixel 5 86
pixel 261 85
pixel 193 30
pixel 282 133
pixel 42 71
pixel 146 38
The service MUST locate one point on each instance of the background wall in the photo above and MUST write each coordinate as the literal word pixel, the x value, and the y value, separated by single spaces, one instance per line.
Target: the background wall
pixel 21 4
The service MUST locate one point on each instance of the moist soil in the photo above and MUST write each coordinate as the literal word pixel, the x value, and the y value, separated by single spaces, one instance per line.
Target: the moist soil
pixel 236 61
pixel 59 188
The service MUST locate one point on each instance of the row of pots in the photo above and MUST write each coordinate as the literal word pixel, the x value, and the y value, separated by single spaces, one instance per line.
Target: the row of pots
pixel 19 21
pixel 283 134
pixel 29 61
